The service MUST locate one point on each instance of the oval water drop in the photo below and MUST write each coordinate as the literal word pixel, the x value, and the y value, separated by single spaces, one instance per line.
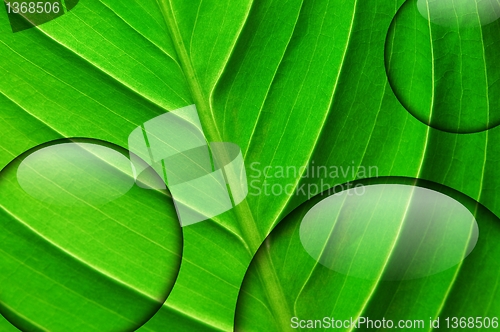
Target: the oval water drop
pixel 391 232
pixel 441 60
pixel 81 246
pixel 75 174
pixel 459 12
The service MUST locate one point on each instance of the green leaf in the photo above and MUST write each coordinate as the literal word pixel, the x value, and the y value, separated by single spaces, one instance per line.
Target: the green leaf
pixel 291 84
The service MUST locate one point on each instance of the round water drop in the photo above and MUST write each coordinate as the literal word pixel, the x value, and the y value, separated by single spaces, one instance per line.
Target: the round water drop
pixel 76 174
pixel 450 13
pixel 441 59
pixel 391 231
pixel 82 248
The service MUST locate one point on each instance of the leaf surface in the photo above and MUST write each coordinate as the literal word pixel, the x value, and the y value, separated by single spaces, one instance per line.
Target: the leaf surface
pixel 294 85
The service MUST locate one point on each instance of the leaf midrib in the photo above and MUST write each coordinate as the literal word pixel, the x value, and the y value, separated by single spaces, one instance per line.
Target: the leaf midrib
pixel 253 238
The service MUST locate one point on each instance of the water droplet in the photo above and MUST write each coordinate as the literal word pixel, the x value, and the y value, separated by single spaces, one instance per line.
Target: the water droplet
pixel 76 174
pixel 441 60
pixel 81 246
pixel 392 231
pixel 465 13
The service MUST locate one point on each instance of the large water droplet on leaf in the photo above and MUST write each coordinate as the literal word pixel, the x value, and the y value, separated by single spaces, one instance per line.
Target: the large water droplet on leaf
pixel 82 248
pixel 460 12
pixel 442 62
pixel 75 174
pixel 389 231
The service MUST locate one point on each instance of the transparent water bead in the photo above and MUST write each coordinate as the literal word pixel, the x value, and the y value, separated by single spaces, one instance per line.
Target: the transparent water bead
pixel 76 174
pixel 441 59
pixel 82 248
pixel 28 14
pixel 463 12
pixel 389 231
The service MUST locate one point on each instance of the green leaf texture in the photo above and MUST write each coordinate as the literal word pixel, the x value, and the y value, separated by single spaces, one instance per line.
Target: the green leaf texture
pixel 292 84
